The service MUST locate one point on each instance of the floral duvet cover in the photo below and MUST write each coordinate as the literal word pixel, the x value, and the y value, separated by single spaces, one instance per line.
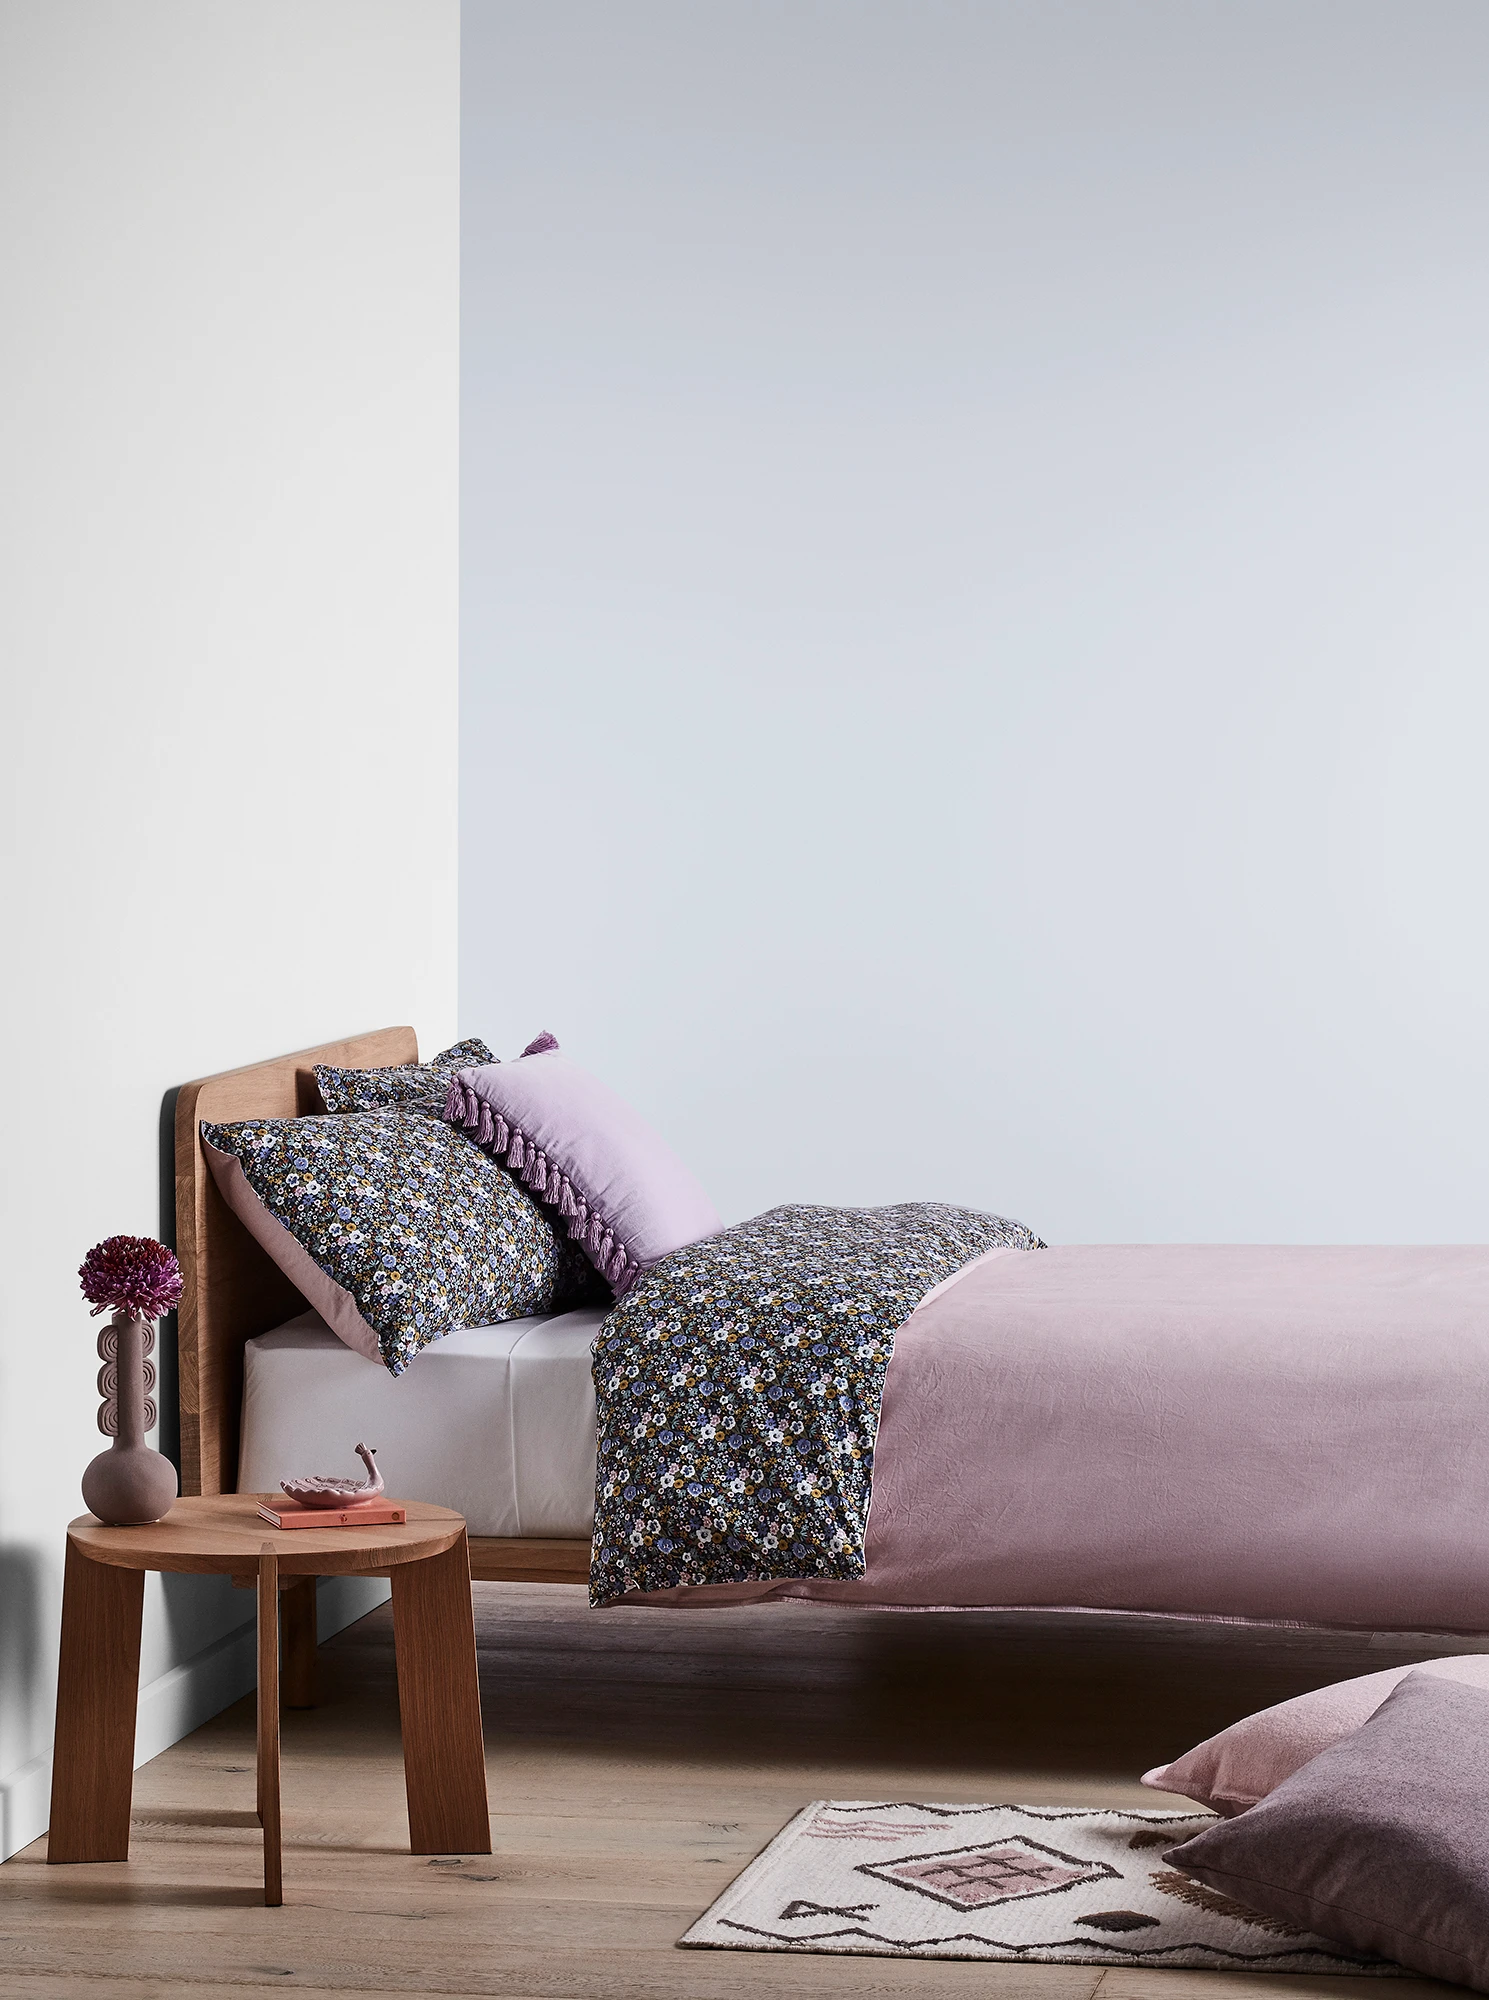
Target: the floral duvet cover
pixel 738 1387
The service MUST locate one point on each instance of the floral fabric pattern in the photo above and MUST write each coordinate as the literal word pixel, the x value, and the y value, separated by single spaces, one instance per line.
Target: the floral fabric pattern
pixel 422 1229
pixel 738 1387
pixel 410 1086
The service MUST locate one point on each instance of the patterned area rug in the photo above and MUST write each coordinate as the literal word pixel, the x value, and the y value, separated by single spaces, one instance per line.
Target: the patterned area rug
pixel 1040 1885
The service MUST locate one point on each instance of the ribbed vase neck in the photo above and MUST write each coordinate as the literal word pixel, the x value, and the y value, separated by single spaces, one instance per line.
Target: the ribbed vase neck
pixel 131 1378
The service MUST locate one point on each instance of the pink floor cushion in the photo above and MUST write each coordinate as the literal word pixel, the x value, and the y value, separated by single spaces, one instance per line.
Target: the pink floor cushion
pixel 1231 1771
pixel 617 1186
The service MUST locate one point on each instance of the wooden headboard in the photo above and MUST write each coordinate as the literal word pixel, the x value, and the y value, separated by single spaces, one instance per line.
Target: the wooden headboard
pixel 232 1290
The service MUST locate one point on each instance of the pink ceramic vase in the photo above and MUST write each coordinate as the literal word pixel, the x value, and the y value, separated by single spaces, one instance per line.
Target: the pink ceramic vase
pixel 129 1483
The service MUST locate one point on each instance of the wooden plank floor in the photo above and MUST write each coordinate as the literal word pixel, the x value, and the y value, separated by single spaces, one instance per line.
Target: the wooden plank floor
pixel 636 1761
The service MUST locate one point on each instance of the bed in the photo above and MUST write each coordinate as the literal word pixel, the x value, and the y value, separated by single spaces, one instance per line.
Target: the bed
pixel 1295 1435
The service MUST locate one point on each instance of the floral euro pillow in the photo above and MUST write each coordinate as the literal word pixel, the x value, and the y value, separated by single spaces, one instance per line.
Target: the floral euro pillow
pixel 408 1086
pixel 393 1226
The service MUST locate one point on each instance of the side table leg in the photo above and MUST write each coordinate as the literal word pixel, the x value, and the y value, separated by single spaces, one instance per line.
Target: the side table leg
pixel 439 1701
pixel 297 1622
pixel 268 1724
pixel 98 1684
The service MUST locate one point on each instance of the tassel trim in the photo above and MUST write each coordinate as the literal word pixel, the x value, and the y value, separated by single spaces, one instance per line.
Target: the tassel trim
pixel 470 1111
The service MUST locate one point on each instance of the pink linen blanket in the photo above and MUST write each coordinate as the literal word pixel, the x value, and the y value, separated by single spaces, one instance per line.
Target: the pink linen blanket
pixel 1295 1434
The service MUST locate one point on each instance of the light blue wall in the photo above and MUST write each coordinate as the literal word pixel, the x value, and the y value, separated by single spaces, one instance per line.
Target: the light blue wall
pixel 975 601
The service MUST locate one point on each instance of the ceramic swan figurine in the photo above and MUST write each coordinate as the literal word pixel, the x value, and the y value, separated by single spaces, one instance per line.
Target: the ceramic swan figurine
pixel 320 1490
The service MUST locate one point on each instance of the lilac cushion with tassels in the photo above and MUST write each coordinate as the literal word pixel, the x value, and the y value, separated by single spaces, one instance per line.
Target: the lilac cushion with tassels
pixel 625 1196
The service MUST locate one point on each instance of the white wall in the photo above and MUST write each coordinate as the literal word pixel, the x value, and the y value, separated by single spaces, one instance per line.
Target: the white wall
pixel 228 343
pixel 975 609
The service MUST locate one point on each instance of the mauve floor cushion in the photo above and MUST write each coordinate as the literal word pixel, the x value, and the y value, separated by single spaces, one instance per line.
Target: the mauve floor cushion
pixel 1380 1842
pixel 1231 1771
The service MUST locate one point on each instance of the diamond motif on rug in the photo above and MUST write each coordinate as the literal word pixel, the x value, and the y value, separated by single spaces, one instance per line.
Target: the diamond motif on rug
pixel 975 1878
pixel 1029 1885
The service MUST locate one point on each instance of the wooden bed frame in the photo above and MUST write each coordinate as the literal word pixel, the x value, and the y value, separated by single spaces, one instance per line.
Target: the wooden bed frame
pixel 233 1291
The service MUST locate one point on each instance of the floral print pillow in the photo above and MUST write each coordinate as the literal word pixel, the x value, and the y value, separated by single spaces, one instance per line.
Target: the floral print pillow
pixel 412 1086
pixel 394 1226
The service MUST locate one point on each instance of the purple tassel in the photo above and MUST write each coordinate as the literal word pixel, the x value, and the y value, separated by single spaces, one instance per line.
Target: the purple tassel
pixel 537 1173
pixel 503 1133
pixel 541 1046
pixel 566 1205
pixel 515 1153
pixel 485 1131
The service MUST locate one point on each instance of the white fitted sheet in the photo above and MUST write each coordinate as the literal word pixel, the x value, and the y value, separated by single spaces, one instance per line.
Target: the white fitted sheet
pixel 495 1421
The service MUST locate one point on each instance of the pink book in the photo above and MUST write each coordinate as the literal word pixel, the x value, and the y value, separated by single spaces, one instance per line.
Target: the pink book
pixel 372 1514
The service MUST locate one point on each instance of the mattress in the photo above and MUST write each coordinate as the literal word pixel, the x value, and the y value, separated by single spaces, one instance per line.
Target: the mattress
pixel 497 1422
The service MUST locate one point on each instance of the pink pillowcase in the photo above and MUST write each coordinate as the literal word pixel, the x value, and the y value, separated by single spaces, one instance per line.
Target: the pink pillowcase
pixel 623 1194
pixel 1231 1771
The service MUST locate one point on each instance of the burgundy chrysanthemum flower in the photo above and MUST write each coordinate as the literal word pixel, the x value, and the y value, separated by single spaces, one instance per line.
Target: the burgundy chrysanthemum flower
pixel 132 1274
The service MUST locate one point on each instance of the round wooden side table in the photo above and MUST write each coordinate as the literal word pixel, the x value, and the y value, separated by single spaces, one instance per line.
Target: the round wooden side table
pixel 439 1700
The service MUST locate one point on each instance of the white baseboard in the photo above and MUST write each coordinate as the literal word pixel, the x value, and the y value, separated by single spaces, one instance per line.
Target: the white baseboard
pixel 25 1798
pixel 180 1700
